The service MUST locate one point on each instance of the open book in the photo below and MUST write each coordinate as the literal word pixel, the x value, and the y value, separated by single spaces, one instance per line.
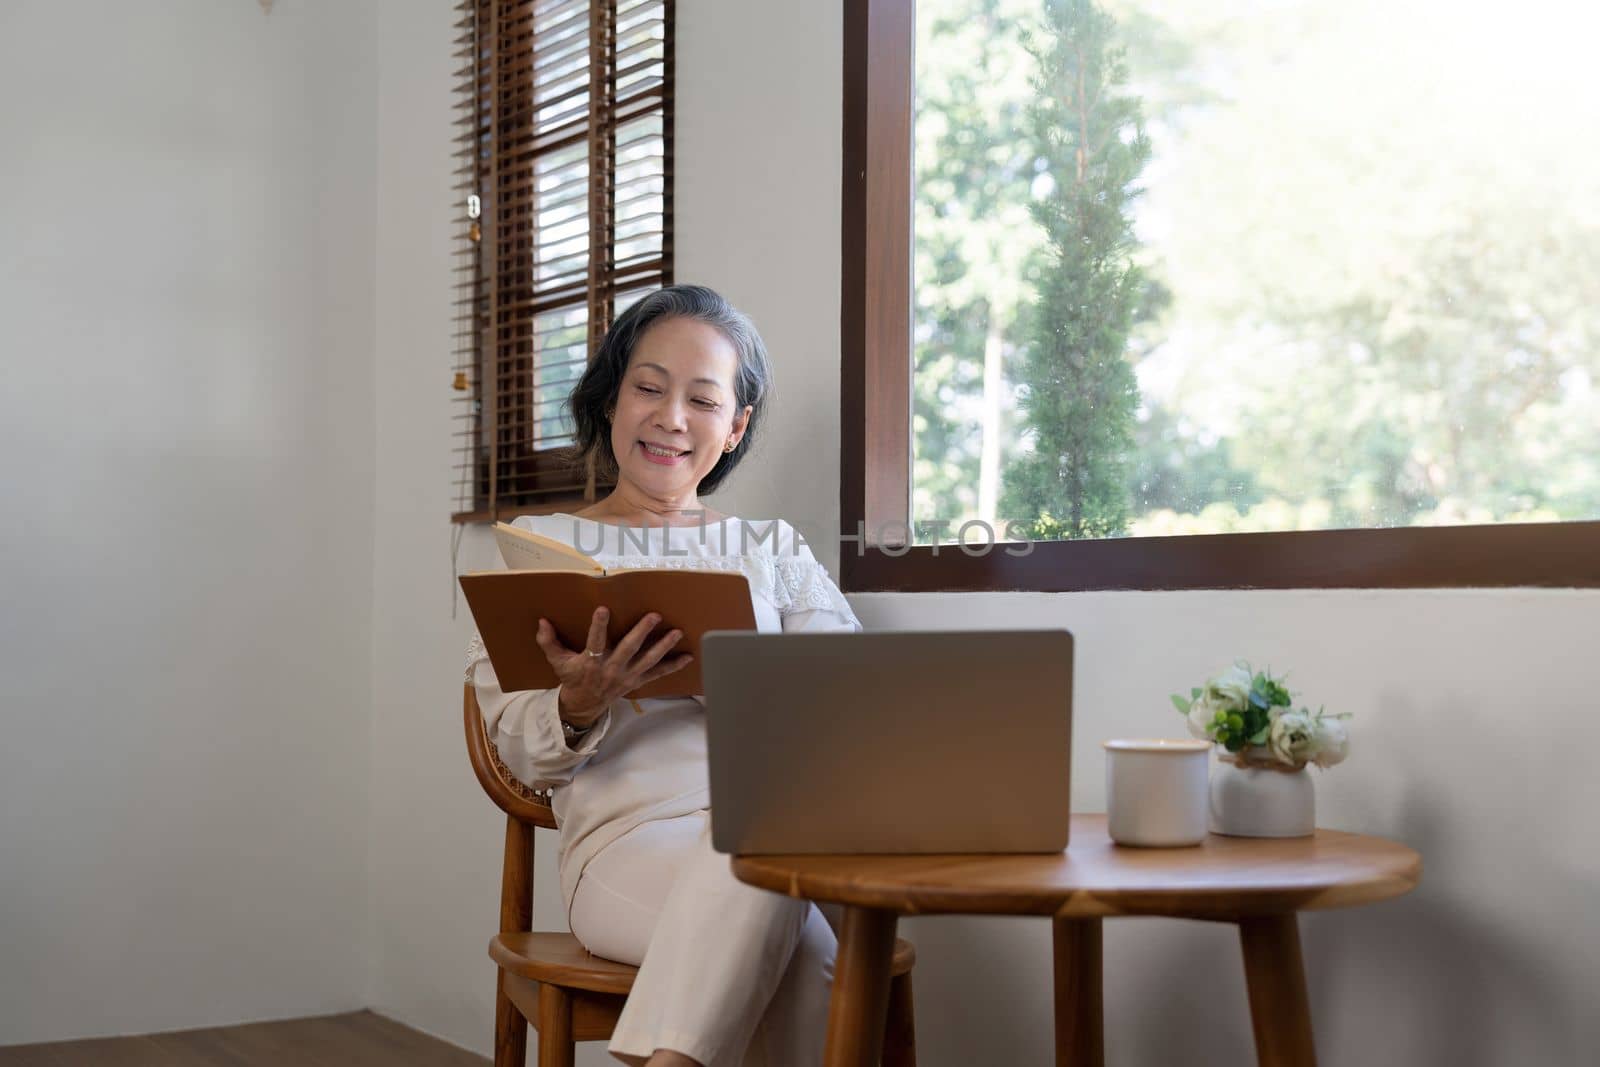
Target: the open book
pixel 552 580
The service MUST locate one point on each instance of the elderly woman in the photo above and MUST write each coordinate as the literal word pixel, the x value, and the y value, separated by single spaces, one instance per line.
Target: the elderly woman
pixel 728 974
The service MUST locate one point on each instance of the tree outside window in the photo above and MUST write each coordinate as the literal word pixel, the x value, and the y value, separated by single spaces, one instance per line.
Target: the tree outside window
pixel 1198 269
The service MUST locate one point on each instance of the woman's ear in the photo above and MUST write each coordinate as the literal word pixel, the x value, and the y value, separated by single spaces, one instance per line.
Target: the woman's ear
pixel 741 420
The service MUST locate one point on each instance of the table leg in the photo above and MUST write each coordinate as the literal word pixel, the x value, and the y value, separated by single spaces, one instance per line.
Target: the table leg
pixel 1080 1019
pixel 860 988
pixel 1280 1010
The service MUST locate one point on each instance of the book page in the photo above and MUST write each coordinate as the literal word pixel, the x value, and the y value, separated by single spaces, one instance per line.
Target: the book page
pixel 524 550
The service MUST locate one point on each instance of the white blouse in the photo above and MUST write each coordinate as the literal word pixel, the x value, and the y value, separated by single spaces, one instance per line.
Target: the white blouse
pixel 646 759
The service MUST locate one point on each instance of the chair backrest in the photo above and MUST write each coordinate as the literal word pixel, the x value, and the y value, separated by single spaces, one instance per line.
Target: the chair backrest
pixel 516 799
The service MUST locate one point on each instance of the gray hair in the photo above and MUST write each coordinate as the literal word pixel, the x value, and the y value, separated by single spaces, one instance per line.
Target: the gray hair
pixel 595 396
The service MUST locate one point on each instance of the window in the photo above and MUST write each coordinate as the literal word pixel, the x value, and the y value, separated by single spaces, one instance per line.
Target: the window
pixel 565 182
pixel 1316 335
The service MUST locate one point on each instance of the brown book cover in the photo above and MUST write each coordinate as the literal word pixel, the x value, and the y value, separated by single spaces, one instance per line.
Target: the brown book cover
pixel 507 606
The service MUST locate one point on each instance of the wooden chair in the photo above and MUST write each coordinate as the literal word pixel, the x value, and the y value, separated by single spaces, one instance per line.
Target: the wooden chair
pixel 552 981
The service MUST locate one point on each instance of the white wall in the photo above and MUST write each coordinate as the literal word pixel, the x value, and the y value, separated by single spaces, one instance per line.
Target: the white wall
pixel 186 509
pixel 1470 708
pixel 435 838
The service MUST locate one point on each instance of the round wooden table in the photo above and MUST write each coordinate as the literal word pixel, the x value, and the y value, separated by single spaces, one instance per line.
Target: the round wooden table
pixel 1257 883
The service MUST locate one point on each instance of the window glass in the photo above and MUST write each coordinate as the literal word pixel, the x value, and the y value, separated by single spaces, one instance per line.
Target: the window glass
pixel 1187 267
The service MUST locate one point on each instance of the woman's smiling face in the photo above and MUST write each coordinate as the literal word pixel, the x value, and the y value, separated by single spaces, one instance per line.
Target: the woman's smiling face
pixel 676 409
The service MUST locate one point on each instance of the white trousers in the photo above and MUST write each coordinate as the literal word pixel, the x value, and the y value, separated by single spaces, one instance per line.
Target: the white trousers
pixel 729 974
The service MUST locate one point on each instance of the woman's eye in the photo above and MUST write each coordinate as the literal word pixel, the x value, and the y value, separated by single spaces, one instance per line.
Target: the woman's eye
pixel 652 390
pixel 709 405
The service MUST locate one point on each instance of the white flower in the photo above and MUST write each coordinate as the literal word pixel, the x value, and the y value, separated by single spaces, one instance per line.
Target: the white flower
pixel 1201 714
pixel 1232 686
pixel 1293 738
pixel 1228 691
pixel 1332 742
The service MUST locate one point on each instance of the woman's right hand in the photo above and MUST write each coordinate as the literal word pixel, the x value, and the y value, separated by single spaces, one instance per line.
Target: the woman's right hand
pixel 594 676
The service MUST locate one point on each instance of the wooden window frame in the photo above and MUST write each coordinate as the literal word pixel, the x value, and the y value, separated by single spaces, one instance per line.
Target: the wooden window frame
pixel 500 472
pixel 875 428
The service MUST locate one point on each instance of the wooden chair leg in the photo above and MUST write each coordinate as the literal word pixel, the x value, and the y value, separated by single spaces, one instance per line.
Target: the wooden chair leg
pixel 510 1030
pixel 1280 1009
pixel 899 1030
pixel 555 1026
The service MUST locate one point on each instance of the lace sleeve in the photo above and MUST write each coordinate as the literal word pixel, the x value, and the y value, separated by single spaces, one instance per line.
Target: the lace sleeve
pixel 804 585
pixel 805 595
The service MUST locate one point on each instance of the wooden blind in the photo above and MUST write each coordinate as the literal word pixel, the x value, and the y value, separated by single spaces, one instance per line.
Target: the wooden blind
pixel 564 146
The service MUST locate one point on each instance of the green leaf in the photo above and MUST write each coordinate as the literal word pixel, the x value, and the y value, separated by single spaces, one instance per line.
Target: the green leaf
pixel 1194 694
pixel 1260 736
pixel 1180 703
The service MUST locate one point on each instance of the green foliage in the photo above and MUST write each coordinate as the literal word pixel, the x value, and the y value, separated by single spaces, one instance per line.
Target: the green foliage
pixel 1078 392
pixel 1251 714
pixel 975 259
pixel 1238 724
pixel 1365 317
pixel 1175 469
pixel 1386 324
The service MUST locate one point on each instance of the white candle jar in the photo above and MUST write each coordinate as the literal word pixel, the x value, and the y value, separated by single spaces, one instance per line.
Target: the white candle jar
pixel 1157 792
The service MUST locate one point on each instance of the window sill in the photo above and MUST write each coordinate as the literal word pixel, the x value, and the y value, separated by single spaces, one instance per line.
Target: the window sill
pixel 1534 554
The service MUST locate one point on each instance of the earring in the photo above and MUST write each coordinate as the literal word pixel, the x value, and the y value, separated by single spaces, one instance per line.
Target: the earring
pixel 729 447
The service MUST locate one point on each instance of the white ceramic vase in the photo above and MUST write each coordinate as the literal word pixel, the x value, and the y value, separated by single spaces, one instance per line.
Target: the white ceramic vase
pixel 1261 801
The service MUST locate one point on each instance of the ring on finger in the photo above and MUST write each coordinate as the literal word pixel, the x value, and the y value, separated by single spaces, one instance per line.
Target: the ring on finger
pixel 596 655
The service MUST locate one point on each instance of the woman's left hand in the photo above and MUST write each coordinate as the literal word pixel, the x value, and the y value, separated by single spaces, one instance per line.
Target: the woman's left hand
pixel 594 677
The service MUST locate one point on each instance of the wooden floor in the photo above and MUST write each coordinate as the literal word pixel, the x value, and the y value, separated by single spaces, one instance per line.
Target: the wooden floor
pixel 360 1039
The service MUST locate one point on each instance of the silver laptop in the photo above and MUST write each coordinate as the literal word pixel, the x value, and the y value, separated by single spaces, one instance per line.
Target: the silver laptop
pixel 889 742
